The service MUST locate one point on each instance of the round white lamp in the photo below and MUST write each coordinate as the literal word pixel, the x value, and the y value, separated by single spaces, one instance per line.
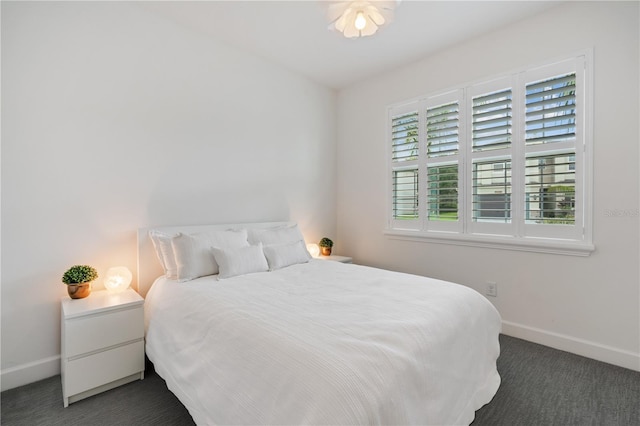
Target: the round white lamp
pixel 313 249
pixel 117 279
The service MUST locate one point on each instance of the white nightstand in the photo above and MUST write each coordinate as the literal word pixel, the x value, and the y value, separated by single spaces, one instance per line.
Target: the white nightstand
pixel 336 258
pixel 102 343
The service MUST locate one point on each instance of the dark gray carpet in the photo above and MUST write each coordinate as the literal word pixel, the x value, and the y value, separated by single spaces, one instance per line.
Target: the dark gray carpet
pixel 544 386
pixel 540 386
pixel 143 402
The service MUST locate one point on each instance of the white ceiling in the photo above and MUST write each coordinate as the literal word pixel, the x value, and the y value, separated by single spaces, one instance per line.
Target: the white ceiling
pixel 295 34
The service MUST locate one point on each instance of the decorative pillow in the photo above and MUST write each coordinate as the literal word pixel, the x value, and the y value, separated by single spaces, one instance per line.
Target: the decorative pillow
pixel 281 255
pixel 164 251
pixel 240 261
pixel 193 252
pixel 278 235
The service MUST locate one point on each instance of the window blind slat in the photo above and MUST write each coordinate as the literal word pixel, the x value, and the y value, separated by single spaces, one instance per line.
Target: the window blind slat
pixel 445 139
pixel 567 79
pixel 536 123
pixel 551 127
pixel 562 94
pixel 445 113
pixel 547 139
pixel 546 104
pixel 494 100
pixel 497 123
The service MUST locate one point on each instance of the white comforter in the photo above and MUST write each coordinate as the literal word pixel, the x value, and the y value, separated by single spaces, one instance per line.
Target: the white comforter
pixel 324 343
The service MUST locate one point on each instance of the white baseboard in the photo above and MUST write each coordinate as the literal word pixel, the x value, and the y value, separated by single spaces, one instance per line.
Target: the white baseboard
pixel 574 345
pixel 28 373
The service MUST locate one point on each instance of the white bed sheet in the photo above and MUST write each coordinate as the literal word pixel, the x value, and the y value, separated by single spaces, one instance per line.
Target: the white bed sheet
pixel 324 343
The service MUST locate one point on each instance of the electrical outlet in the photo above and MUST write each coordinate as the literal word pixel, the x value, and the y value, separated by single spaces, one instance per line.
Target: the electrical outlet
pixel 492 289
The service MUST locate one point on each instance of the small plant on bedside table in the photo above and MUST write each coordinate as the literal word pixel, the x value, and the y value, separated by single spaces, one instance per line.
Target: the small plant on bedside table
pixel 78 279
pixel 325 246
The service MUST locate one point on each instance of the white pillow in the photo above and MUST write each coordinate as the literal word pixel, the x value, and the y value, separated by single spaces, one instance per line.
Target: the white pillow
pixel 281 255
pixel 240 261
pixel 279 235
pixel 193 252
pixel 164 251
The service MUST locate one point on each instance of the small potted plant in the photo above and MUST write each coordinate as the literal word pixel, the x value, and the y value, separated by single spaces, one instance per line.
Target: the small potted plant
pixel 325 246
pixel 78 280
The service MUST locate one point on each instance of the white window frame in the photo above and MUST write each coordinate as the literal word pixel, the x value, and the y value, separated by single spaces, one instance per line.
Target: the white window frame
pixel 517 235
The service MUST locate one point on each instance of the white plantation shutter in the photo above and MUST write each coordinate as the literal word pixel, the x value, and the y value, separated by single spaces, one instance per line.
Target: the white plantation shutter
pixel 491 189
pixel 443 130
pixel 443 192
pixel 491 197
pixel 554 191
pixel 404 180
pixel 492 120
pixel 550 191
pixel 497 162
pixel 405 194
pixel 404 137
pixel 550 110
pixel 444 119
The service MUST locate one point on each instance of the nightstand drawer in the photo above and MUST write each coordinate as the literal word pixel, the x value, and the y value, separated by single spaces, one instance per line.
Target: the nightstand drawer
pixel 91 371
pixel 94 332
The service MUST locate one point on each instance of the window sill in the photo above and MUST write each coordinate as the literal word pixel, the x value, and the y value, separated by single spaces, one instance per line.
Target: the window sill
pixel 537 245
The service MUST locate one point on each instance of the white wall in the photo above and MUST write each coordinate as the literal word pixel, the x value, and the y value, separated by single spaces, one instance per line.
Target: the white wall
pixel 590 306
pixel 114 119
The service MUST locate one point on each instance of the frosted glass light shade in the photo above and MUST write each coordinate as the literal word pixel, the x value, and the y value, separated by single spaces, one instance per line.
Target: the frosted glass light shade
pixel 117 279
pixel 313 249
pixel 359 18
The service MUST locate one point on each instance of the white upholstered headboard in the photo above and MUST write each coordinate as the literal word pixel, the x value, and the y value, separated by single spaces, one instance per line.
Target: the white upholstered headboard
pixel 149 267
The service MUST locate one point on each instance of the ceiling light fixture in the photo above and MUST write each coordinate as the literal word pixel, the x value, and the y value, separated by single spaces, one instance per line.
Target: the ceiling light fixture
pixel 359 18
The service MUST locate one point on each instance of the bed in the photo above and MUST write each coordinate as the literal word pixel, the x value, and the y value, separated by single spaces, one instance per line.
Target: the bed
pixel 307 341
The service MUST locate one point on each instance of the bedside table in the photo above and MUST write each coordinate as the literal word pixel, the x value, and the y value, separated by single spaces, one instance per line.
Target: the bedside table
pixel 102 343
pixel 336 258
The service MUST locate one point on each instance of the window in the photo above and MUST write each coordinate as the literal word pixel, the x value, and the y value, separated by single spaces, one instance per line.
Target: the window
pixel 405 144
pixel 503 163
pixel 405 194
